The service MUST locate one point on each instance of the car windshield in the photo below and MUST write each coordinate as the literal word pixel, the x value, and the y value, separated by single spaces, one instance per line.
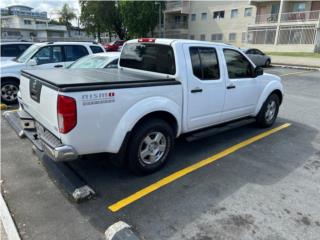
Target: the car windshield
pixel 28 53
pixel 91 61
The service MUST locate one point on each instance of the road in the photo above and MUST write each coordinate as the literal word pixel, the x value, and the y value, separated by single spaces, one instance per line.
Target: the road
pixel 268 189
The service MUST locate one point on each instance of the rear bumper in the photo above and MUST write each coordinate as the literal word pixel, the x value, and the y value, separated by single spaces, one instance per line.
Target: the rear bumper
pixel 60 153
pixel 49 143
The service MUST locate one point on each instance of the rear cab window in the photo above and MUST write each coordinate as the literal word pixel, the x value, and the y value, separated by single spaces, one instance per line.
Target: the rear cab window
pixel 74 52
pixel 148 57
pixel 96 49
pixel 13 50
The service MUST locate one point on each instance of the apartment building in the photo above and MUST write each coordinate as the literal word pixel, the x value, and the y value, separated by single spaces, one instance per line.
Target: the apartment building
pixel 20 22
pixel 268 25
pixel 218 21
pixel 286 26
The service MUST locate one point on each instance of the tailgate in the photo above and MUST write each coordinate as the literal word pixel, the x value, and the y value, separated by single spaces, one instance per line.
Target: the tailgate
pixel 40 101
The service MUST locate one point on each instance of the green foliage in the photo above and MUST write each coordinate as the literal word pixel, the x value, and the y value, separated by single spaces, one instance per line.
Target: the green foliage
pixel 101 16
pixel 66 15
pixel 140 17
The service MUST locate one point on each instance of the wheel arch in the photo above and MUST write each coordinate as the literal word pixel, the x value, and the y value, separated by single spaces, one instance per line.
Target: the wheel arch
pixel 12 78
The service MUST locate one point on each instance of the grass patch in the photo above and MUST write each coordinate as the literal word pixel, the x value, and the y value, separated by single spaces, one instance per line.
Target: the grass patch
pixel 295 54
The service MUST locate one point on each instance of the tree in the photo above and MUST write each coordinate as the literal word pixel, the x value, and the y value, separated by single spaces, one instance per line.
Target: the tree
pixel 66 15
pixel 140 17
pixel 101 16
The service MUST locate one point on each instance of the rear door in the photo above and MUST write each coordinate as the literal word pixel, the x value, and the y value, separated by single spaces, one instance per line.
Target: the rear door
pixel 73 53
pixel 242 90
pixel 206 87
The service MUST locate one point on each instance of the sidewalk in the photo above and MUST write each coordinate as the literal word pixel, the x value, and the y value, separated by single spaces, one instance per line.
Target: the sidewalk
pixel 296 61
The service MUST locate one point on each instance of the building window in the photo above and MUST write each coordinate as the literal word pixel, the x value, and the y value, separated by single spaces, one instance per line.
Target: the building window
pixel 244 37
pixel 203 16
pixel 40 22
pixel 218 14
pixel 299 7
pixel 202 37
pixel 248 12
pixel 27 22
pixel 234 13
pixel 217 37
pixel 192 37
pixel 193 17
pixel 232 37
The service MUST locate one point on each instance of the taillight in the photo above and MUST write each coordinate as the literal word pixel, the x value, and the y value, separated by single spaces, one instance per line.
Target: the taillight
pixel 146 40
pixel 67 113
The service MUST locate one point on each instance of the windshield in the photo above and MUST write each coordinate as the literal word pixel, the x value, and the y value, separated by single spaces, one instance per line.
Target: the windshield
pixel 91 61
pixel 28 53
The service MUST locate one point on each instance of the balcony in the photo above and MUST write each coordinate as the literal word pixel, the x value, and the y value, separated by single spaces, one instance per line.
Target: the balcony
pixel 176 25
pixel 290 17
pixel 181 6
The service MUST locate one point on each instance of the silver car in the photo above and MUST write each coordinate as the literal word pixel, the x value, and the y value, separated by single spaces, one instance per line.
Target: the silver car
pixel 257 57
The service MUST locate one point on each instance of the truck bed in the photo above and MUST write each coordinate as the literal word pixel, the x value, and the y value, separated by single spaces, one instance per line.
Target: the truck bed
pixel 65 80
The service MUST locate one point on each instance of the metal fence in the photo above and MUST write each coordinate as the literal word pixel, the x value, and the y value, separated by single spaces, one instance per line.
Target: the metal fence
pixel 286 35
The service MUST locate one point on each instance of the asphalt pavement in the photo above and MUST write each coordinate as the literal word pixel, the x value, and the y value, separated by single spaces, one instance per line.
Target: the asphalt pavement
pixel 267 189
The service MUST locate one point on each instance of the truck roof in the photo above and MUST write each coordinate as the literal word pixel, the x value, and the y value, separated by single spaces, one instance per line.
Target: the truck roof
pixel 168 41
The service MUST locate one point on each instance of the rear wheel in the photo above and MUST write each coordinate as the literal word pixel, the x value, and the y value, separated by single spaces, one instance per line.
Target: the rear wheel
pixel 268 63
pixel 150 145
pixel 269 111
pixel 9 91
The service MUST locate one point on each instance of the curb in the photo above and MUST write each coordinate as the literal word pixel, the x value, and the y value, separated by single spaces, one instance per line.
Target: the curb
pixel 312 68
pixel 120 231
pixel 7 221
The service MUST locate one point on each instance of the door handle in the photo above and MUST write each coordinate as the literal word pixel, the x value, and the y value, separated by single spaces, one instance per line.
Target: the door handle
pixel 58 66
pixel 196 90
pixel 231 86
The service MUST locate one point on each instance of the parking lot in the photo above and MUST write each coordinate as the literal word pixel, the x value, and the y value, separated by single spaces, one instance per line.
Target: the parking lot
pixel 246 183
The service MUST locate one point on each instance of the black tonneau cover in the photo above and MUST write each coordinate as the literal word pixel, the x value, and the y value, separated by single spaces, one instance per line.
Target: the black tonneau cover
pixel 73 80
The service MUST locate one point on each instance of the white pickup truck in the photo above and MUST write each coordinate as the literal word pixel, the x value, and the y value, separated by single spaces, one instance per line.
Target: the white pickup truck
pixel 162 89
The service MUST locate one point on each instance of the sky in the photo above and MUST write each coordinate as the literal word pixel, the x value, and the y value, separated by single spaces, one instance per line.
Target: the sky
pixel 49 6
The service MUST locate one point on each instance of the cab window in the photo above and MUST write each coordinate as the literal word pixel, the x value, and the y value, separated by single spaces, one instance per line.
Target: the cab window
pixel 205 63
pixel 74 52
pixel 96 49
pixel 238 66
pixel 50 54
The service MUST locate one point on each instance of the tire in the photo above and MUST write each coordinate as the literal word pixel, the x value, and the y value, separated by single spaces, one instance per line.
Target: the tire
pixel 269 111
pixel 149 146
pixel 9 91
pixel 268 63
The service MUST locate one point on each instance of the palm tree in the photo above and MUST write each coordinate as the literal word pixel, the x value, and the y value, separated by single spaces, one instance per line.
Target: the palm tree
pixel 66 15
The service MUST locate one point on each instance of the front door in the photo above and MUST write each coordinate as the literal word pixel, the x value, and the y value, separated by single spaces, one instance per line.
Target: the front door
pixel 49 57
pixel 242 90
pixel 205 86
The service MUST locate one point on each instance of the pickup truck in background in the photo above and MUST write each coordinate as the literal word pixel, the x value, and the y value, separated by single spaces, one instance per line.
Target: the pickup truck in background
pixel 162 89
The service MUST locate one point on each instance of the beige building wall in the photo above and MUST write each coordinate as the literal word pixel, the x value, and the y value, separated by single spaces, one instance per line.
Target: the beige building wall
pixel 228 25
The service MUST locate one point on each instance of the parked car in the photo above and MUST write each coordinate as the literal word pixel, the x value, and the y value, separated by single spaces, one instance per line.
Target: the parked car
pixel 41 55
pixel 11 50
pixel 114 46
pixel 257 57
pixel 164 89
pixel 98 60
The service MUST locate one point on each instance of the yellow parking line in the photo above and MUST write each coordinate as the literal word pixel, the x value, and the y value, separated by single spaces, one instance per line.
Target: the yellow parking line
pixel 153 187
pixel 294 73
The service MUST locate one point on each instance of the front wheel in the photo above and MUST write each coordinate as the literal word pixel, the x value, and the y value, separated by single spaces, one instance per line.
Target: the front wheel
pixel 150 145
pixel 269 111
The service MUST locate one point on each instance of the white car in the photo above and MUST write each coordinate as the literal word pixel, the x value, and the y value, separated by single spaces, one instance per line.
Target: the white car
pixel 98 60
pixel 43 56
pixel 161 90
pixel 11 50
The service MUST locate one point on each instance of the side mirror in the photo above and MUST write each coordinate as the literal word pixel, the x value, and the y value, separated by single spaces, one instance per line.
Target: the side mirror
pixel 32 62
pixel 258 71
